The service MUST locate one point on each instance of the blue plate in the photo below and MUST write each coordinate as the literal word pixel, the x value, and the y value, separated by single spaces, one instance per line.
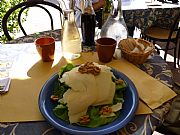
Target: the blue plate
pixel 127 113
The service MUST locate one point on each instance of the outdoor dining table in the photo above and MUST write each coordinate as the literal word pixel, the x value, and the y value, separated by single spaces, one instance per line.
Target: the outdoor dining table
pixel 155 67
pixel 145 124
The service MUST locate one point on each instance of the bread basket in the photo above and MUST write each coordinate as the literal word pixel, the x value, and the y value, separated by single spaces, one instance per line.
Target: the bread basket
pixel 128 47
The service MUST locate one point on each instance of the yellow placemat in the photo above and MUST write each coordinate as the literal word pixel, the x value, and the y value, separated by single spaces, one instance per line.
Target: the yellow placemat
pixel 30 73
pixel 151 91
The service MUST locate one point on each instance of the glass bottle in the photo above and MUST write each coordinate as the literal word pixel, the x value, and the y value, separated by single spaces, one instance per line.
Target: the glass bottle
pixel 88 23
pixel 71 41
pixel 115 26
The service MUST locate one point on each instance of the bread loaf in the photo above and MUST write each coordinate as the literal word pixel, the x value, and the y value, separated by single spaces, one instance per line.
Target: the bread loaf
pixel 136 45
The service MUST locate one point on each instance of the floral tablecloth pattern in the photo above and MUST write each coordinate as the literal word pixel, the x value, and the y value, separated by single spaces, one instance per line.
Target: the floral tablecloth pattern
pixel 144 18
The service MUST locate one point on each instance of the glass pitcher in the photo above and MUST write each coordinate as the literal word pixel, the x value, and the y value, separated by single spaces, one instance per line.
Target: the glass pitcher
pixel 71 41
pixel 115 26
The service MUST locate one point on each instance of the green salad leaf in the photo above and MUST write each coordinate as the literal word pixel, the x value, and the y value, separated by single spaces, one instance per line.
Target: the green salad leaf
pixel 66 68
pixel 118 97
pixel 95 119
pixel 120 87
pixel 60 89
pixel 61 111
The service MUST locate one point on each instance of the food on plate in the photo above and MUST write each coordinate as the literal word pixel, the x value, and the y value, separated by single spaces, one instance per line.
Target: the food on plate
pixel 88 95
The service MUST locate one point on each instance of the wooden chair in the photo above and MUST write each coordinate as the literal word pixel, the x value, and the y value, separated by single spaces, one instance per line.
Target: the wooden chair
pixel 167 35
pixel 24 5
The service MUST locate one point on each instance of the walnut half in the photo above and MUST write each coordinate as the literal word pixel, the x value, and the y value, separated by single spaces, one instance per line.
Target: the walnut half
pixel 89 68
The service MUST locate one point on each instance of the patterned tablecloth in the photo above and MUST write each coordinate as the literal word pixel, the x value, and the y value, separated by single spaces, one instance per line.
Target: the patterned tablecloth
pixel 141 124
pixel 157 15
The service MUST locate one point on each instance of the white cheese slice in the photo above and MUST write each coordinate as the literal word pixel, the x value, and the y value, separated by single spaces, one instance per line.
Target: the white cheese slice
pixel 87 90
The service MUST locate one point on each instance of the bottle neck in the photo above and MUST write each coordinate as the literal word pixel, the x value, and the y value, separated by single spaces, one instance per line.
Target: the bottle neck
pixel 69 15
pixel 87 7
pixel 69 10
pixel 116 11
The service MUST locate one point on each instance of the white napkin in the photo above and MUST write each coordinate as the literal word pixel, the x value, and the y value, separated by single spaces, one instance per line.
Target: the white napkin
pixel 117 53
pixel 4 84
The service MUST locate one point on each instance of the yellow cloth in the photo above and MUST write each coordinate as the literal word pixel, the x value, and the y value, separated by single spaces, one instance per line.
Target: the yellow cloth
pixel 30 73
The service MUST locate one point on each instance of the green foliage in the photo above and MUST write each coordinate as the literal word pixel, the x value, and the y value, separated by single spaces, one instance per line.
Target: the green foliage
pixel 107 7
pixel 13 27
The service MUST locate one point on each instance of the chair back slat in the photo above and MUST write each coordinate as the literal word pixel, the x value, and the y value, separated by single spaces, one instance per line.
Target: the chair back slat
pixel 175 26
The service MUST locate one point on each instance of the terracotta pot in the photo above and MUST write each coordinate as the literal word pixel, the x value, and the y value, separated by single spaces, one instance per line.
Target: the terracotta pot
pixel 45 47
pixel 105 48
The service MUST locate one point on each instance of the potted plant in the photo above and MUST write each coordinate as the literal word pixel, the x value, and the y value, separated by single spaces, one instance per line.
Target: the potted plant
pixel 106 10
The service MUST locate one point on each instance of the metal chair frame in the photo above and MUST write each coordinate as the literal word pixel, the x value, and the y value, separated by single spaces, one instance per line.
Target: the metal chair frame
pixel 178 58
pixel 23 6
pixel 174 28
